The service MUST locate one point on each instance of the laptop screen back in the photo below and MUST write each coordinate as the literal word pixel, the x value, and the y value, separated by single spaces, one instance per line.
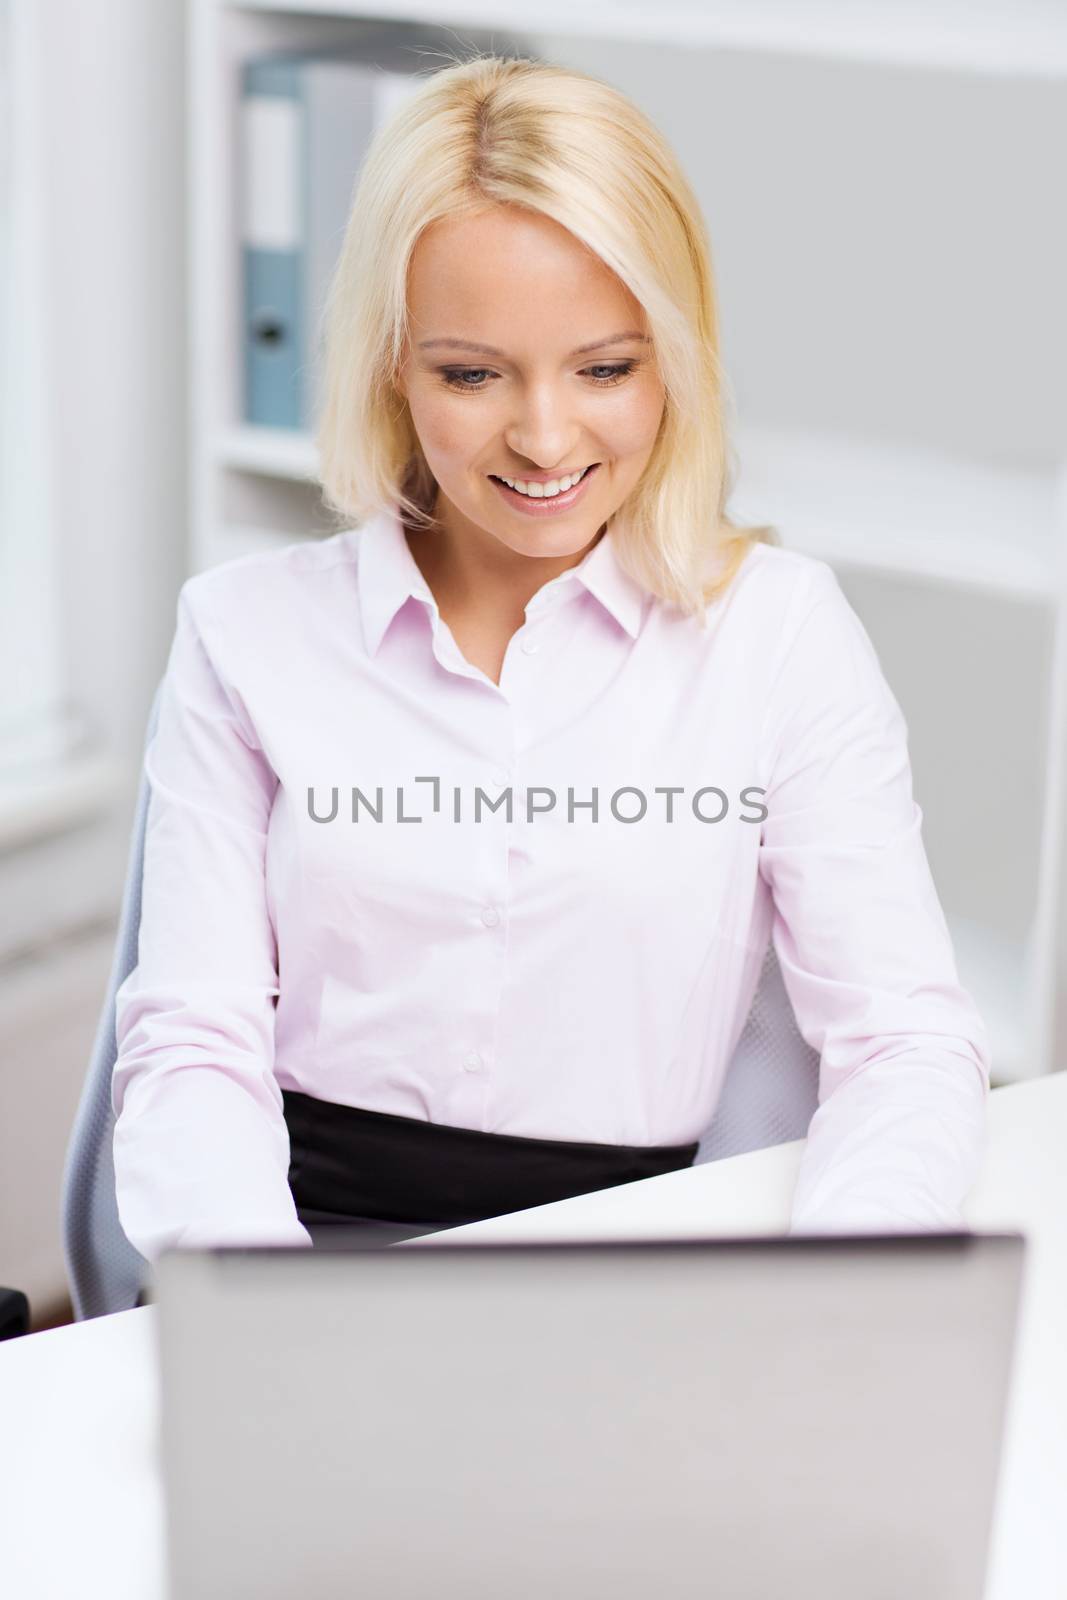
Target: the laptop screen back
pixel 808 1416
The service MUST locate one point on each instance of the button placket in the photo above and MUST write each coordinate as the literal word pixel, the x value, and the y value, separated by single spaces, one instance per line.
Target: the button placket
pixel 475 1065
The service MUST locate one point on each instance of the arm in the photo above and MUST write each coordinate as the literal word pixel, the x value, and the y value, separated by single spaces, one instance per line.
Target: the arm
pixel 201 1147
pixel 899 1134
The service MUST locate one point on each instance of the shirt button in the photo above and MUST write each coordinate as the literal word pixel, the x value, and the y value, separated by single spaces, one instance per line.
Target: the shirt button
pixel 500 779
pixel 529 646
pixel 472 1061
pixel 490 916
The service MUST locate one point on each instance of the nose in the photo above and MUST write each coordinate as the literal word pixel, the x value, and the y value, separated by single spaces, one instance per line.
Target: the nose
pixel 543 431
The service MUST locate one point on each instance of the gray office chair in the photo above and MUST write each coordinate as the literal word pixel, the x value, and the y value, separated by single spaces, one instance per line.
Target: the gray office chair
pixel 105 1272
pixel 769 1097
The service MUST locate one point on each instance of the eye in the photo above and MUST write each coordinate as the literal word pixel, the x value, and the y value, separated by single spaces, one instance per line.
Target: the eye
pixel 455 377
pixel 615 373
pixel 472 379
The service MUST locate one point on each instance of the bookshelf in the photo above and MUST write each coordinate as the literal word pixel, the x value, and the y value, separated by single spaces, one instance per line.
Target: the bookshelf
pixel 948 533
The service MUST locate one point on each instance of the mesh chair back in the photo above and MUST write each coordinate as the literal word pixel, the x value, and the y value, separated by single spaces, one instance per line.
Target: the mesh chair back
pixel 771 1090
pixel 105 1272
pixel 769 1097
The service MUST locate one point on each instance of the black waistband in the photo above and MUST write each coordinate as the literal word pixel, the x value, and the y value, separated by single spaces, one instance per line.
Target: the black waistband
pixel 351 1162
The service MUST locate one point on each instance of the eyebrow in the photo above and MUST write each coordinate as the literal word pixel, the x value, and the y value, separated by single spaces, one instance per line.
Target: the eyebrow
pixel 491 350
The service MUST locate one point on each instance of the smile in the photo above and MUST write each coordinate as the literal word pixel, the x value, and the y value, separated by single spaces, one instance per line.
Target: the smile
pixel 545 490
pixel 541 499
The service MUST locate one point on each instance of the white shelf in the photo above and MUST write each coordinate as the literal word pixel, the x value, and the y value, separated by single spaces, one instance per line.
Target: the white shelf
pixel 1027 39
pixel 900 510
pixel 271 452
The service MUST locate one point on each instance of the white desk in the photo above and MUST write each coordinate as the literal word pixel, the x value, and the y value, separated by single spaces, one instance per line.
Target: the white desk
pixel 80 1504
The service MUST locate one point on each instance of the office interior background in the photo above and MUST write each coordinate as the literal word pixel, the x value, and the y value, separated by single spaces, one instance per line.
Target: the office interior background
pixel 883 190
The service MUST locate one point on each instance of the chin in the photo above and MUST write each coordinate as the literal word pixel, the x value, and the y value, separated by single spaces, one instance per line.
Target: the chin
pixel 551 541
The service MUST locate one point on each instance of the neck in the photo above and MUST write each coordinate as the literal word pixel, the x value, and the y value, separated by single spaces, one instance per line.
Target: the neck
pixel 471 571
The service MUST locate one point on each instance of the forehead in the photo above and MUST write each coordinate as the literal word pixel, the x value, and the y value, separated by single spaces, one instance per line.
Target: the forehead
pixel 508 267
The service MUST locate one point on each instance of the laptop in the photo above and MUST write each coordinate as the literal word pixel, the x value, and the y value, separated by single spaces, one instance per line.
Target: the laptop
pixel 747 1418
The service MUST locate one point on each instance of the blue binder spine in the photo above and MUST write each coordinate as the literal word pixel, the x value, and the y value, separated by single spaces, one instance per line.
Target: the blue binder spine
pixel 273 242
pixel 308 122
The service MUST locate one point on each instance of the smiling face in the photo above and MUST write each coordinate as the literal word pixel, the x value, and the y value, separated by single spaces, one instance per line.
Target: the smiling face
pixel 554 389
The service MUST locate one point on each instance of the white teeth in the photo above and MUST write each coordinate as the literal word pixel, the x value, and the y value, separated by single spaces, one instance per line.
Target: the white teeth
pixel 545 491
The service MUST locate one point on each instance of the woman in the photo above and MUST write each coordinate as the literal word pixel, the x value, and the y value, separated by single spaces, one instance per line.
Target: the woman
pixel 470 825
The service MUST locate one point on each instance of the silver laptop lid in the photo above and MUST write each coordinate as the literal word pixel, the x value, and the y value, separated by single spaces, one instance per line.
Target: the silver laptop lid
pixel 805 1416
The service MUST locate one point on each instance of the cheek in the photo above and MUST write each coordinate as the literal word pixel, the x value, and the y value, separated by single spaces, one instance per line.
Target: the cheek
pixel 636 428
pixel 444 432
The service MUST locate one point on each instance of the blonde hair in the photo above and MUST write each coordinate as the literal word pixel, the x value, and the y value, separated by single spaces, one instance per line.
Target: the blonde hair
pixel 494 130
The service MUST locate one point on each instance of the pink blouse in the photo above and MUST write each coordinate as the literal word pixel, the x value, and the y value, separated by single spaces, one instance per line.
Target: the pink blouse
pixel 373 875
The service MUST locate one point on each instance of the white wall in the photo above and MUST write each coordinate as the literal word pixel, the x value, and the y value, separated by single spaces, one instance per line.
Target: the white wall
pixel 910 227
pixel 118 285
pixel 113 187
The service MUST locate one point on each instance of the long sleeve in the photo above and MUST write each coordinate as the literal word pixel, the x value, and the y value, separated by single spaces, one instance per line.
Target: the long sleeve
pixel 898 1137
pixel 201 1148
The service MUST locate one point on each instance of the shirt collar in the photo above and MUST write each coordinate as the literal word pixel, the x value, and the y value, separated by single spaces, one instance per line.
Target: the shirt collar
pixel 389 576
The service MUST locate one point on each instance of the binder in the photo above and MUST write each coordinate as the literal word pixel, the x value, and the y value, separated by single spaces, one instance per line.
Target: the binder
pixel 307 122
